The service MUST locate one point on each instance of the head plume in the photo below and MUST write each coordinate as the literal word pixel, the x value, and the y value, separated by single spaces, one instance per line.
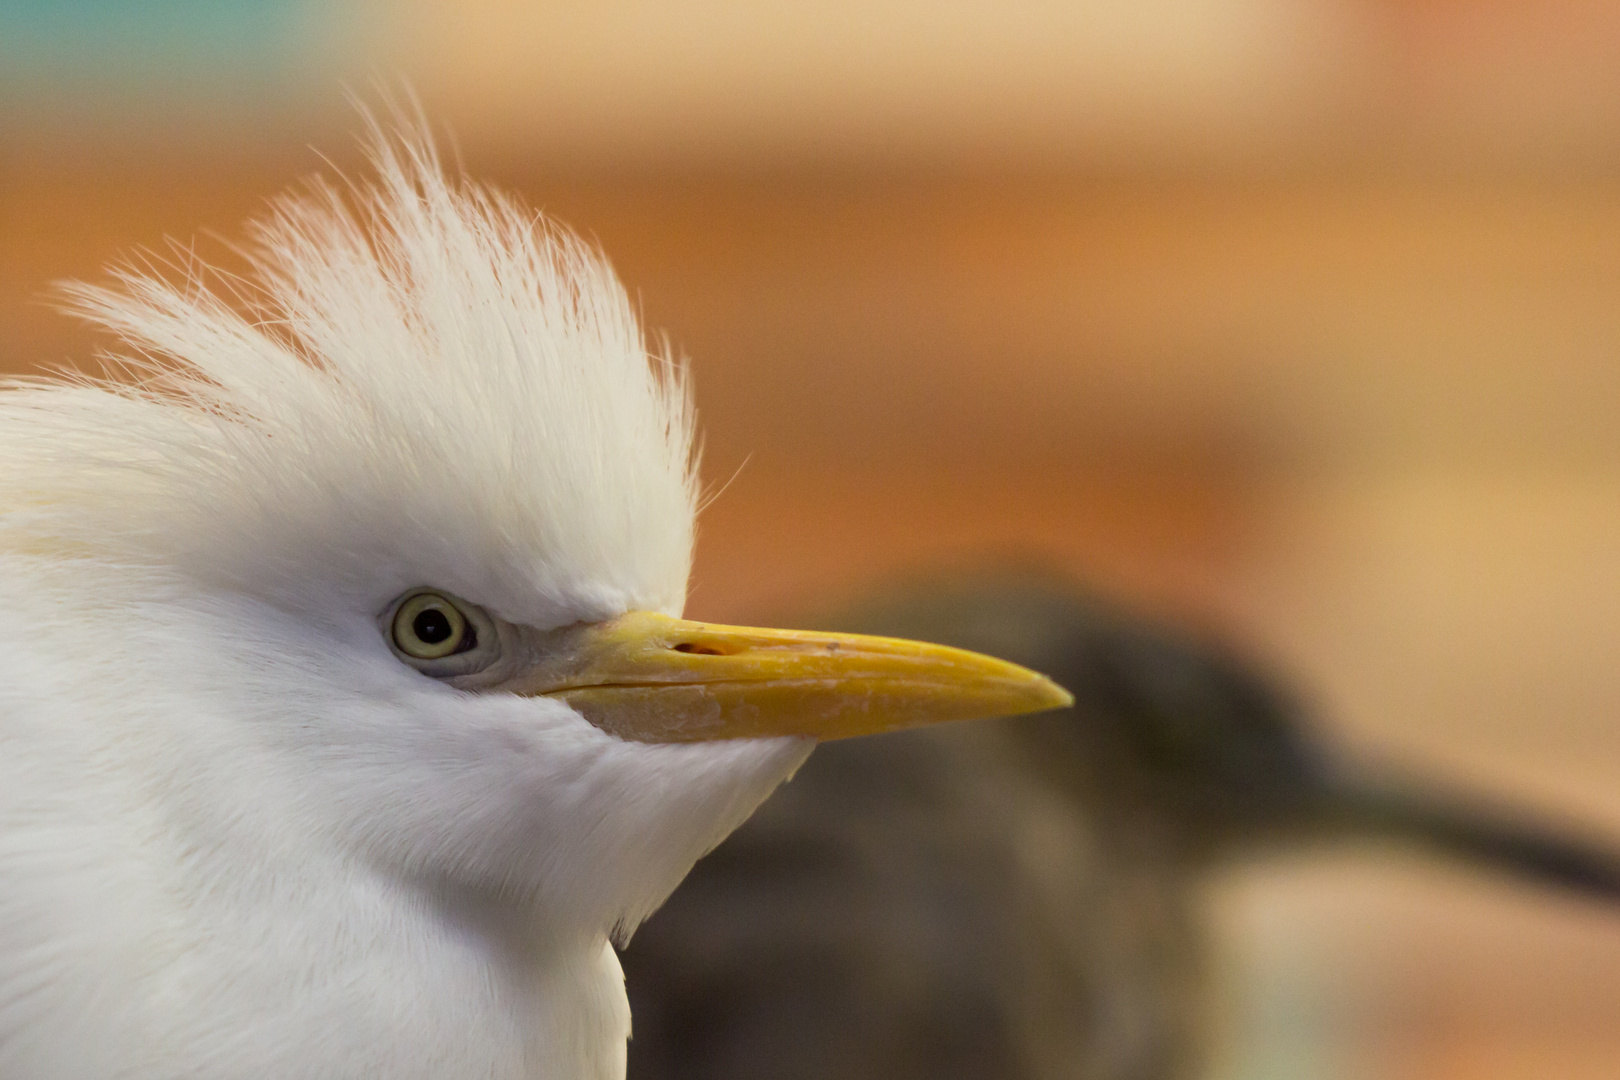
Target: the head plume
pixel 420 380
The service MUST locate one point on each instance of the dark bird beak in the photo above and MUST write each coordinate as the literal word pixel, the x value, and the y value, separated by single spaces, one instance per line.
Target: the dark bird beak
pixel 1476 830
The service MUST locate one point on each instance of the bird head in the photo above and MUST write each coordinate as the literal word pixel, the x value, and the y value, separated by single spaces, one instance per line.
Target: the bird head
pixel 1165 721
pixel 384 549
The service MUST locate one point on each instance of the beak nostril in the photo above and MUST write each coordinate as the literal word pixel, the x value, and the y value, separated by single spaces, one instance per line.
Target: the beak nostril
pixel 699 650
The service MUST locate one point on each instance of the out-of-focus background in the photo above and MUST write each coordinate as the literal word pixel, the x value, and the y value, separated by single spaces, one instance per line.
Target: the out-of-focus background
pixel 1294 319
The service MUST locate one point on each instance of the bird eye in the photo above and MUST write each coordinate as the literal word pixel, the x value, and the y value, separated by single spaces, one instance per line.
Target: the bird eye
pixel 441 635
pixel 429 626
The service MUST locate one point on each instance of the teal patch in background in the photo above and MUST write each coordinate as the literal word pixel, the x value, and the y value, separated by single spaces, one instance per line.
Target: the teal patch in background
pixel 75 46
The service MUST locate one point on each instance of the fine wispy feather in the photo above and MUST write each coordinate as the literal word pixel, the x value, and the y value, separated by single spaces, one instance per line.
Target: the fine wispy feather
pixel 416 363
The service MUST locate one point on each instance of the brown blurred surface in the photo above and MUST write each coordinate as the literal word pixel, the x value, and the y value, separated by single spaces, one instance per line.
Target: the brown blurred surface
pixel 1300 320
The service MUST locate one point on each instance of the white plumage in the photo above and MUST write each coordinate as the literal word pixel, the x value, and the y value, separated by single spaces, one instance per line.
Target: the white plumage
pixel 239 837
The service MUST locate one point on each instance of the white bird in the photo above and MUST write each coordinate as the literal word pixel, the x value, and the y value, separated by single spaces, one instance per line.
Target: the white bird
pixel 345 714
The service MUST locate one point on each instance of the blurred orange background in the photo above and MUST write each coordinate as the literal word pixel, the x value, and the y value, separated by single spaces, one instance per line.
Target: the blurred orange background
pixel 1297 319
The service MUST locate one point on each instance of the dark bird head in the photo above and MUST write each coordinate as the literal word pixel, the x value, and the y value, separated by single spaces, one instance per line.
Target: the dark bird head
pixel 1163 723
pixel 1182 731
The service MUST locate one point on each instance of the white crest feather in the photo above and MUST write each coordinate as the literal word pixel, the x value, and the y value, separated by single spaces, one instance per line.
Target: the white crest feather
pixel 419 362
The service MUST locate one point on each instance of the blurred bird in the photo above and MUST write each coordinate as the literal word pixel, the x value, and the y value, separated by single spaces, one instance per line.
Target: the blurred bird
pixel 346 713
pixel 1018 900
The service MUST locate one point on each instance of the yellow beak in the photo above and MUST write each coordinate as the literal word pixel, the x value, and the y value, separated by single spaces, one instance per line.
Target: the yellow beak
pixel 651 678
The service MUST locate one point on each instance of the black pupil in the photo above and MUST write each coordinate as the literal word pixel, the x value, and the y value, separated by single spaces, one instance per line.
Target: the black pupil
pixel 432 626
